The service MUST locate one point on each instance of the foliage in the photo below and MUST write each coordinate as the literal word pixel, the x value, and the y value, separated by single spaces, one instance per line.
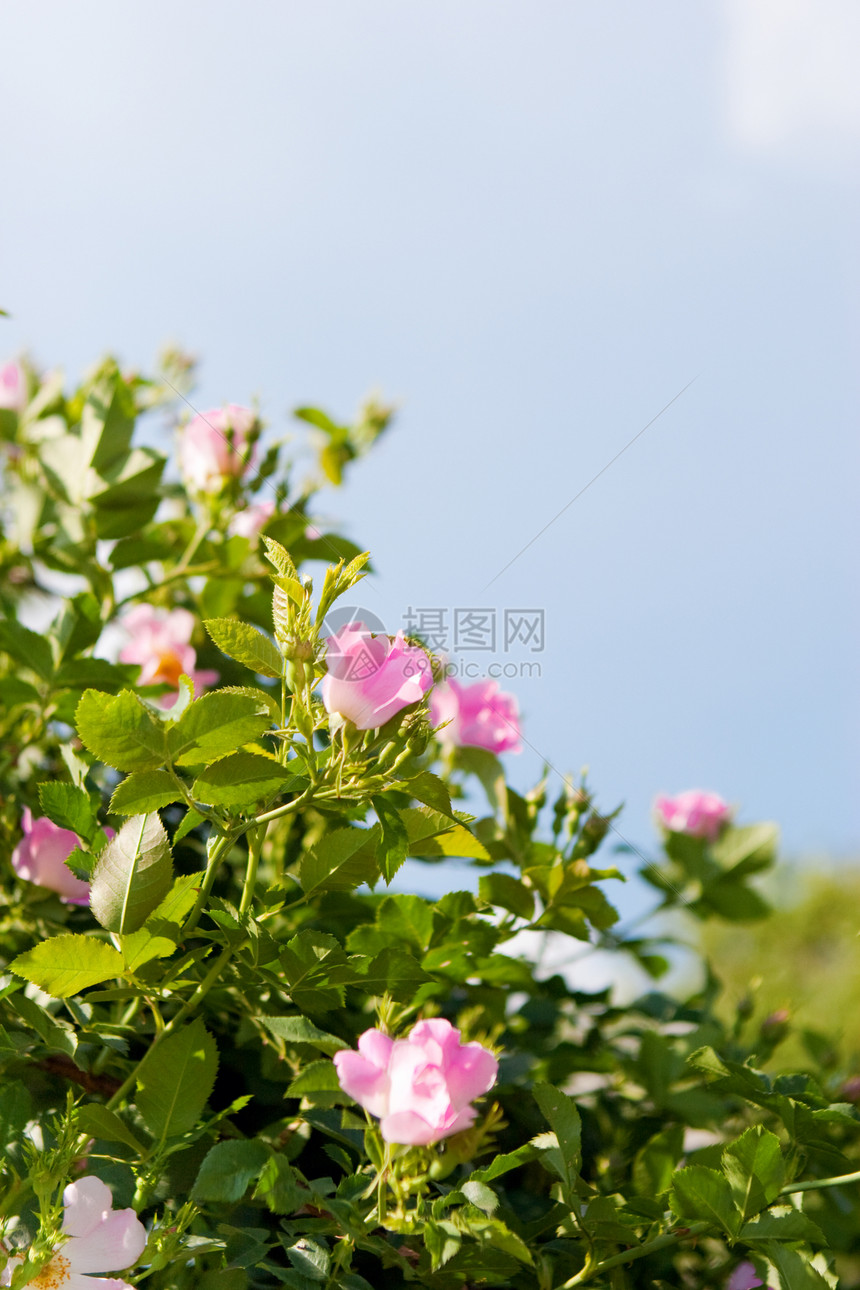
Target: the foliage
pixel 175 1037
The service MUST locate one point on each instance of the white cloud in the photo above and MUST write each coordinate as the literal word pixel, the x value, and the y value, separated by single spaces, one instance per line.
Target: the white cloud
pixel 792 83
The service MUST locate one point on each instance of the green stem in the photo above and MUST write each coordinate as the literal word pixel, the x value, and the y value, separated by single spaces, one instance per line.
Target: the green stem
pixel 255 846
pixel 219 850
pixel 175 1022
pixel 638 1252
pixel 816 1184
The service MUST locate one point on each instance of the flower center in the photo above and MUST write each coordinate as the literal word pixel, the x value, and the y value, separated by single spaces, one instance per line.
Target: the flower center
pixel 169 668
pixel 53 1275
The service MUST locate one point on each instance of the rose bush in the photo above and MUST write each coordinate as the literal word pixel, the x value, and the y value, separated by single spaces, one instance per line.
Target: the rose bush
pixel 238 1056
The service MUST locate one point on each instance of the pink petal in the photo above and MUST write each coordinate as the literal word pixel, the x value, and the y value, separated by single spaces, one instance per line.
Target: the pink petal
pixel 376 1046
pixel 115 1243
pixel 408 1129
pixel 74 1281
pixel 363 1081
pixel 470 1073
pixel 86 1203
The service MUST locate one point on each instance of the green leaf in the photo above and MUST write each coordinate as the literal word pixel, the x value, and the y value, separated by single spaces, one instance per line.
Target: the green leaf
pixel 65 965
pixel 279 1186
pixel 563 1118
pixel 393 846
pixel 16 1109
pixel 132 875
pixel 216 724
pixel 56 1034
pixel 310 1258
pixel 144 791
pixel 432 791
pixel 246 645
pixel 702 1194
pixel 396 973
pixel 489 770
pixel 159 934
pixel 299 1031
pixel 340 861
pixel 319 1084
pixel 407 917
pixel 107 424
pixel 120 730
pixel 228 1170
pixel 754 1167
pixel 69 807
pixel 99 1122
pixel 505 1163
pixel 655 1163
pixel 782 1223
pixel 175 1079
pixel 507 892
pixel 791 1270
pixel 747 850
pixel 431 834
pixel 28 648
pixel 243 779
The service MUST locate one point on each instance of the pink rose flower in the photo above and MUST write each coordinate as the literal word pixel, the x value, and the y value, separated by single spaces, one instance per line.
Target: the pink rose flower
pixel 249 522
pixel 744 1278
pixel 40 857
pixel 419 1088
pixel 160 643
pixel 13 386
pixel 479 716
pixel 99 1239
pixel 370 678
pixel 695 812
pixel 214 447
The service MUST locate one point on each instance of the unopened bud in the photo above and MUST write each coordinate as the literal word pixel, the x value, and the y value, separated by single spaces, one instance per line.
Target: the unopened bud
pixel 775 1025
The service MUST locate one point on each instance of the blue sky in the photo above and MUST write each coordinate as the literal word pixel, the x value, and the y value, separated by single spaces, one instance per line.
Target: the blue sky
pixel 531 226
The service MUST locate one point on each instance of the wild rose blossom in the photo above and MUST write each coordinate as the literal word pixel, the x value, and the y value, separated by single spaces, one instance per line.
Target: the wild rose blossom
pixel 479 716
pixel 100 1239
pixel 249 522
pixel 214 447
pixel 160 643
pixel 13 386
pixel 371 678
pixel 420 1088
pixel 696 812
pixel 40 858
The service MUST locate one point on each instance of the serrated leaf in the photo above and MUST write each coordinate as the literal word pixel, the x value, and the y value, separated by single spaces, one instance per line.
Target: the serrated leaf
pixel 27 648
pixel 243 779
pixel 505 1163
pixel 65 965
pixel 394 972
pixel 216 724
pixel 144 791
pixel 748 849
pixel 246 645
pixel 300 1031
pixel 279 1186
pixel 393 843
pixel 783 1224
pixel 120 730
pixel 702 1194
pixel 228 1169
pixel 132 875
pixel 431 834
pixel 507 892
pixel 69 807
pixel 318 1077
pixel 792 1270
pixel 561 1114
pixel 432 791
pixel 99 1122
pixel 340 861
pixel 755 1170
pixel 175 1079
